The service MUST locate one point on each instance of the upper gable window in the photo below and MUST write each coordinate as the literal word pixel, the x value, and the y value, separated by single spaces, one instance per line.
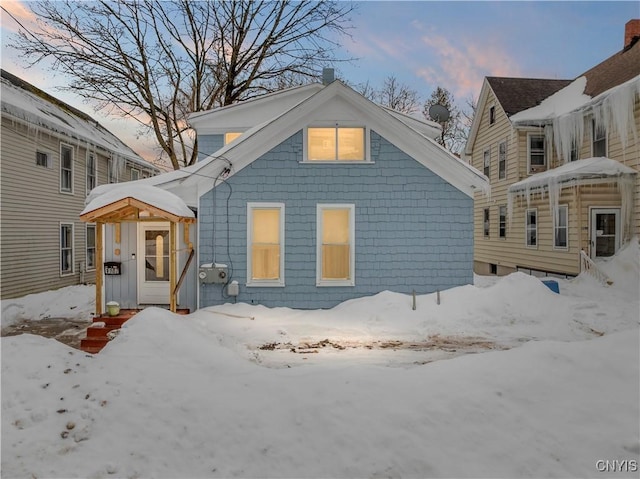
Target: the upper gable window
pixel 229 137
pixel 336 144
pixel 492 115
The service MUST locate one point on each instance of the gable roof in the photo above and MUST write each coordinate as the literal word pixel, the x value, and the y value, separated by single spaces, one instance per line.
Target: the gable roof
pixel 192 182
pixel 517 94
pixel 27 103
pixel 615 70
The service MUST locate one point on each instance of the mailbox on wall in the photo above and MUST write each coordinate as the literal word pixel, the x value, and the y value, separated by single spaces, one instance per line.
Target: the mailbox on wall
pixel 112 268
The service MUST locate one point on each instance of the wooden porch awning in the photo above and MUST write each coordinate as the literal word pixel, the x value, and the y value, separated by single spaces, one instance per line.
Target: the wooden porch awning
pixel 130 202
pixel 133 202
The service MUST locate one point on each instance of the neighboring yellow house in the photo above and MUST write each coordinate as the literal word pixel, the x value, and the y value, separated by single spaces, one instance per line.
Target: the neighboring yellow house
pixel 563 160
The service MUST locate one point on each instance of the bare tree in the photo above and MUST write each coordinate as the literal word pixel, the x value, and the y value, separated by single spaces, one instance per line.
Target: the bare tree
pixel 450 137
pixel 392 94
pixel 157 62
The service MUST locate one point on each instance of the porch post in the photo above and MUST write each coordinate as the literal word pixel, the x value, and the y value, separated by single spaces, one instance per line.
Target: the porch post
pixel 173 266
pixel 99 267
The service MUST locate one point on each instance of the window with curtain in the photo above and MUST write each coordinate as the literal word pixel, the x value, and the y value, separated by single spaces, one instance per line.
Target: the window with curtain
pixel 265 229
pixel 336 226
pixel 335 144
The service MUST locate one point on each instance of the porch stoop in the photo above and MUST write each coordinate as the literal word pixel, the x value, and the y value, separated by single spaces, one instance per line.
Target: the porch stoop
pixel 98 335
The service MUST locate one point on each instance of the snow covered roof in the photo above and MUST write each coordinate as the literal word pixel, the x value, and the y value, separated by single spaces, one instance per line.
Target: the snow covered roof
pixel 149 195
pixel 587 169
pixel 24 102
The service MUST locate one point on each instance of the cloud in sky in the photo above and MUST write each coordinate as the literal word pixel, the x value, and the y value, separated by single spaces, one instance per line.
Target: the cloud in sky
pixel 462 68
pixel 18 10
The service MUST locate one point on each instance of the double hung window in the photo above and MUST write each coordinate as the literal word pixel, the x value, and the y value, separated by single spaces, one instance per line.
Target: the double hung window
pixel 335 245
pixel 66 169
pixel 66 248
pixel 531 228
pixel 560 234
pixel 536 152
pixel 91 172
pixel 265 255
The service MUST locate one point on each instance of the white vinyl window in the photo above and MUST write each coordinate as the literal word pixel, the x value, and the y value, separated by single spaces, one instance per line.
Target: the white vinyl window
pixel 502 222
pixel 112 171
pixel 336 144
pixel 92 172
pixel 66 248
pixel 561 228
pixel 485 223
pixel 335 245
pixel 502 160
pixel 599 140
pixel 265 244
pixel 536 152
pixel 91 247
pixel 43 159
pixel 487 163
pixel 531 228
pixel 66 168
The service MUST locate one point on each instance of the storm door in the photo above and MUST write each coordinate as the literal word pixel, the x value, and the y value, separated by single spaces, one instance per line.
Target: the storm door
pixel 153 263
pixel 605 232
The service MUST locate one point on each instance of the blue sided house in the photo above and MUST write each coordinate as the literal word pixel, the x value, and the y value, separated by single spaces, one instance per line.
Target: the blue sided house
pixel 302 198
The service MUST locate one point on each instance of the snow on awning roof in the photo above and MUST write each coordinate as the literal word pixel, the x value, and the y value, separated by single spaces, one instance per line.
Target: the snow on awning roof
pixel 574 172
pixel 121 201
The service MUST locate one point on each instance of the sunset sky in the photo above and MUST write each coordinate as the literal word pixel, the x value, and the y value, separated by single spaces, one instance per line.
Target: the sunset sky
pixel 428 44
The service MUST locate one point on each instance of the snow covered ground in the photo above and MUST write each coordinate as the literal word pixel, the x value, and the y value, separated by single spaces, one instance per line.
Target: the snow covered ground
pixel 370 388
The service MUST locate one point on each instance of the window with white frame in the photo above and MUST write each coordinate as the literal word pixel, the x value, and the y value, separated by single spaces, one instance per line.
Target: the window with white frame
pixel 43 159
pixel 91 247
pixel 335 245
pixel 531 219
pixel 265 244
pixel 66 248
pixel 574 154
pixel 485 223
pixel 502 222
pixel 135 174
pixel 66 168
pixel 536 152
pixel 599 137
pixel 112 171
pixel 492 115
pixel 502 160
pixel 487 163
pixel 92 172
pixel 561 227
pixel 336 144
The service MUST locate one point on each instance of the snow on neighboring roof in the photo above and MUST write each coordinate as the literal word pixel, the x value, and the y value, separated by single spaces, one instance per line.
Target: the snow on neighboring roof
pixel 563 101
pixel 25 102
pixel 590 168
pixel 149 194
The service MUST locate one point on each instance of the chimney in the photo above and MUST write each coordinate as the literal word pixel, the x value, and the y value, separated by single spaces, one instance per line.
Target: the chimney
pixel 631 32
pixel 327 76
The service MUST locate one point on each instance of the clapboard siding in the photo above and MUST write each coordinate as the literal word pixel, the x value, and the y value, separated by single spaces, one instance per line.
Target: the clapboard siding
pixel 511 252
pixel 33 208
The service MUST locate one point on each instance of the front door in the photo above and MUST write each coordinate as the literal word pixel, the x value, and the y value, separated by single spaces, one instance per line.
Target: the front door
pixel 605 232
pixel 153 263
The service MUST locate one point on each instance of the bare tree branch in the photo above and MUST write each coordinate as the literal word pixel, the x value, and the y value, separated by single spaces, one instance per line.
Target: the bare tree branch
pixel 157 62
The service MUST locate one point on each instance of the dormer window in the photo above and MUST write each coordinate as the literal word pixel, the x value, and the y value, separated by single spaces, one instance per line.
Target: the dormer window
pixel 336 144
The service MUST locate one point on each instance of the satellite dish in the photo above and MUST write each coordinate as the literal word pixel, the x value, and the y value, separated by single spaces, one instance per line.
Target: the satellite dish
pixel 439 113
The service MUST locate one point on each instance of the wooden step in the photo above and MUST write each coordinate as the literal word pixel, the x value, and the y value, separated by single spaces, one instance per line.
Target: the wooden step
pixel 100 331
pixel 93 345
